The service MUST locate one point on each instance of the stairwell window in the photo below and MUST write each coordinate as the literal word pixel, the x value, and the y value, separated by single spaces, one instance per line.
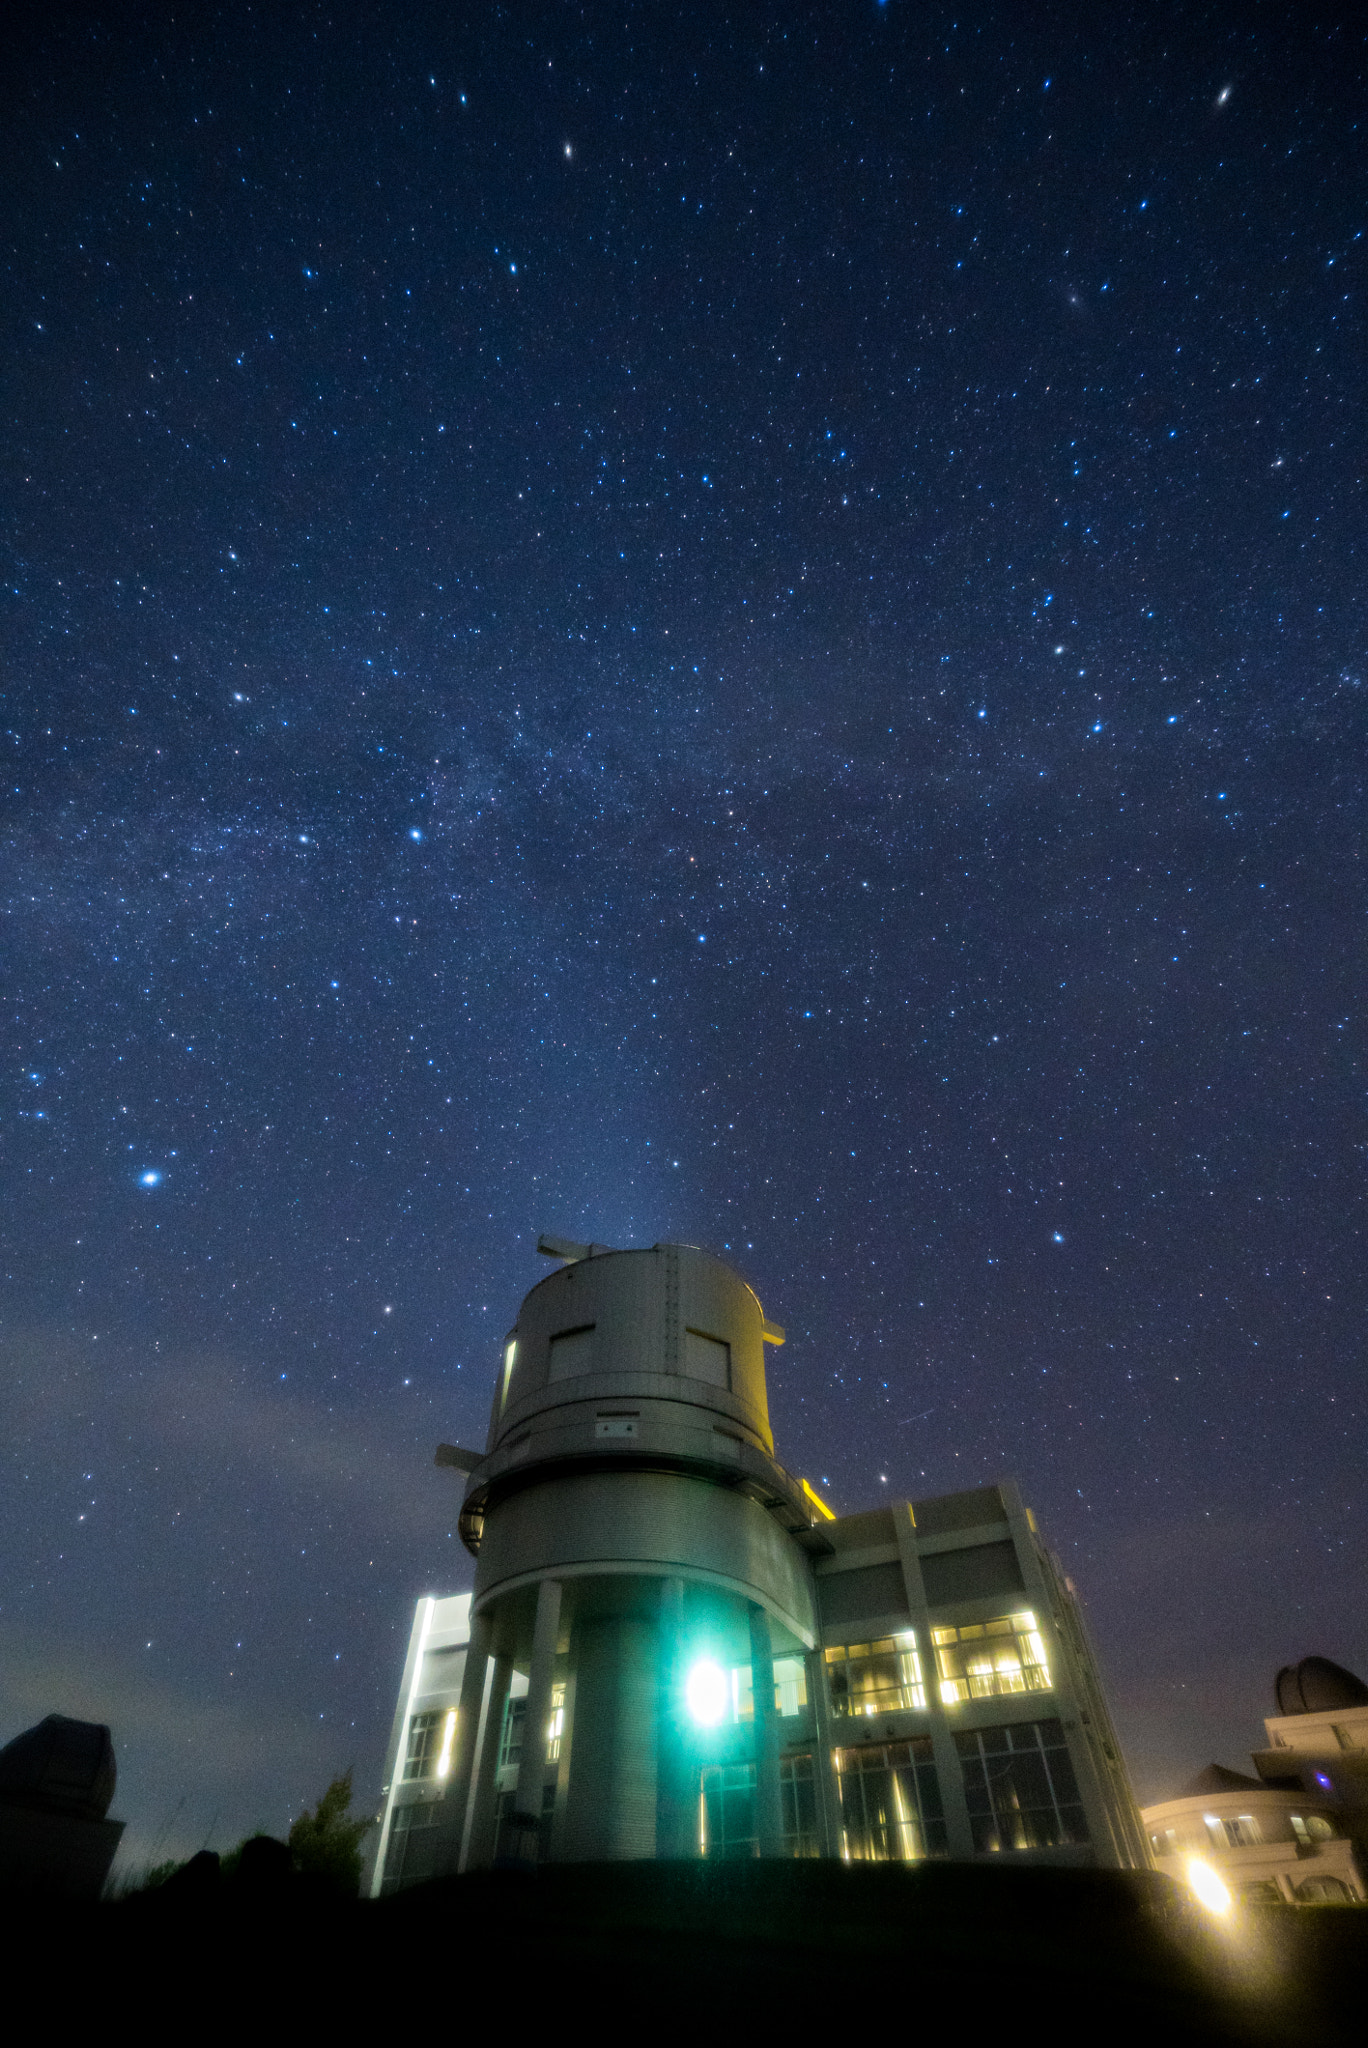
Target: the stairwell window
pixel 424 1745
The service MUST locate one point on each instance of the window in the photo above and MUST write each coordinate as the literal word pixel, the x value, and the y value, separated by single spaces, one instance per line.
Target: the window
pixel 556 1730
pixel 726 1812
pixel 405 1822
pixel 877 1678
pixel 1020 1787
pixel 707 1358
pixel 790 1689
pixel 424 1745
pixel 798 1795
pixel 890 1803
pixel 510 1359
pixel 511 1840
pixel 511 1739
pixel 990 1658
pixel 572 1353
pixel 1260 1891
pixel 1241 1832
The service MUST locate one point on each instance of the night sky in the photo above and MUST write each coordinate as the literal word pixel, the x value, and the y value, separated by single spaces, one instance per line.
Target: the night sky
pixel 734 625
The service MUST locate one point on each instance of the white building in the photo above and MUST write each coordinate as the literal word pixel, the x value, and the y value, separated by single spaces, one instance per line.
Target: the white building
pixel 675 1649
pixel 1299 1830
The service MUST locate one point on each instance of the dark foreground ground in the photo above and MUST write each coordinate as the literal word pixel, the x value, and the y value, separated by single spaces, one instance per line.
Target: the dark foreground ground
pixel 862 1956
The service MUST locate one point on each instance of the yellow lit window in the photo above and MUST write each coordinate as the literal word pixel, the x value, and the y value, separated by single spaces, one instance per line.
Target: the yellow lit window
pixel 989 1659
pixel 882 1677
pixel 555 1727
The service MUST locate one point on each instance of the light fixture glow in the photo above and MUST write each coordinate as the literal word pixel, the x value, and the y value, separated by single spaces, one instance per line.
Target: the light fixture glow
pixel 448 1737
pixel 1208 1887
pixel 706 1692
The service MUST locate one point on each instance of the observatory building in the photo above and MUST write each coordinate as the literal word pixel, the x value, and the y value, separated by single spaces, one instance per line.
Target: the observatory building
pixel 674 1649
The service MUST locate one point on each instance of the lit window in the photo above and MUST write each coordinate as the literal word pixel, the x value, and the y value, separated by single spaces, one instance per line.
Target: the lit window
pixel 556 1726
pixel 988 1659
pixel 424 1745
pixel 876 1678
pixel 891 1808
pixel 510 1360
pixel 1242 1831
pixel 790 1689
pixel 1020 1787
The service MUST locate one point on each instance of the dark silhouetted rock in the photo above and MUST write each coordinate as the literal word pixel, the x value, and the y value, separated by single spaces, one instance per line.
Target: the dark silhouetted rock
pixel 265 1867
pixel 199 1879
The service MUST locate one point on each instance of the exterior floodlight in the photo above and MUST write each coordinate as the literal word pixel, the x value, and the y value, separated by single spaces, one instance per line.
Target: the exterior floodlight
pixel 1211 1893
pixel 706 1693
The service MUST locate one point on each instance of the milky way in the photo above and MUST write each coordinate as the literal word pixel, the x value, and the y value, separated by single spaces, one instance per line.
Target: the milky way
pixel 746 631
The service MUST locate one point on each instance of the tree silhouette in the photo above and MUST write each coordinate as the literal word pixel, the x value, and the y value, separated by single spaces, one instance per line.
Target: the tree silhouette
pixel 326 1843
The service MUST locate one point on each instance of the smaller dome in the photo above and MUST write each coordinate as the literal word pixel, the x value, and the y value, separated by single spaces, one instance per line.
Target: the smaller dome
pixel 61 1766
pixel 1316 1686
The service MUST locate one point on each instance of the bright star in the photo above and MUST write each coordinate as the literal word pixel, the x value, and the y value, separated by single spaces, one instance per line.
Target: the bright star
pixel 151 1178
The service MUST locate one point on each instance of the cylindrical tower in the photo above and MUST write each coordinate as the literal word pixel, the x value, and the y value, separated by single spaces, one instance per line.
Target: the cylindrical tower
pixel 642 1560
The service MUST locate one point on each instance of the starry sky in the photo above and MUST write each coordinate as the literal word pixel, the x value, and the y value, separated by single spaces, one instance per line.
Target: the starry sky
pixel 736 625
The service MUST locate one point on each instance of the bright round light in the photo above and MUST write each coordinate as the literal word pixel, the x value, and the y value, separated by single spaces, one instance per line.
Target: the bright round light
pixel 1208 1887
pixel 706 1693
pixel 151 1178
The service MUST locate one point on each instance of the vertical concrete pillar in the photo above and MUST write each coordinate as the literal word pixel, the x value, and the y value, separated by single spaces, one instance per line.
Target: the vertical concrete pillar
pixel 456 1796
pixel 948 1772
pixel 482 1811
pixel 527 1796
pixel 769 1811
pixel 677 1803
pixel 611 1797
pixel 823 1760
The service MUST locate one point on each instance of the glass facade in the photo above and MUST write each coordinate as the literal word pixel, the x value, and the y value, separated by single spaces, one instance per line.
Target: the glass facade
pixel 878 1677
pixel 988 1659
pixel 891 1809
pixel 726 1809
pixel 726 1812
pixel 798 1793
pixel 1020 1787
